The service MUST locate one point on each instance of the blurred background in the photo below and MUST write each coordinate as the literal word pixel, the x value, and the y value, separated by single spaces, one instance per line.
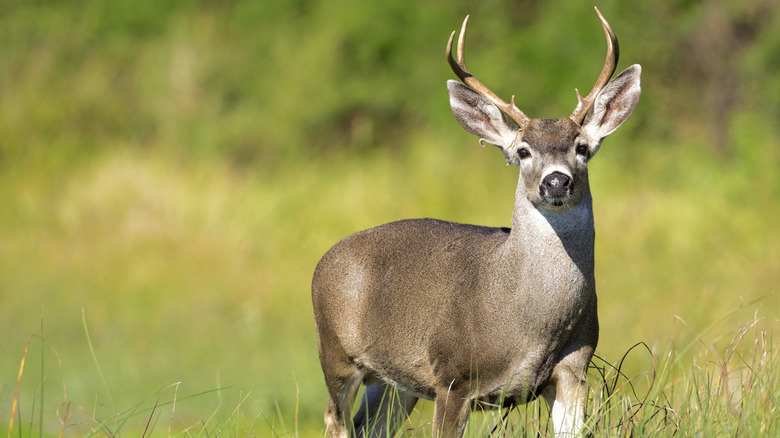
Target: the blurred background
pixel 171 172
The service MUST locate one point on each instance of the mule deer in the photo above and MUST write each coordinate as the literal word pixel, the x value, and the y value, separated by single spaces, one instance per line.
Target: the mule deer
pixel 464 314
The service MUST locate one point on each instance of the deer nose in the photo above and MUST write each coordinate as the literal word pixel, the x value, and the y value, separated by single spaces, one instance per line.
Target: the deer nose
pixel 556 184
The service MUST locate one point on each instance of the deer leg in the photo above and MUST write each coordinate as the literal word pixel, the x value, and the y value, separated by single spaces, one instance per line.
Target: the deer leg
pixel 450 413
pixel 566 395
pixel 383 410
pixel 342 390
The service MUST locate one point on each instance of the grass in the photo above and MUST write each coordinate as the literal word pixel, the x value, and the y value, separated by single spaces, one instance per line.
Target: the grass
pixel 704 392
pixel 699 389
pixel 74 419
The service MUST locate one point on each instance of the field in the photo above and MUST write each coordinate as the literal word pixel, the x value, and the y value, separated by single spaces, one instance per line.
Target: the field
pixel 170 175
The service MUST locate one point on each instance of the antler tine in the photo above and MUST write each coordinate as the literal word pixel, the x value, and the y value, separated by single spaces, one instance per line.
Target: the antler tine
pixel 613 53
pixel 463 74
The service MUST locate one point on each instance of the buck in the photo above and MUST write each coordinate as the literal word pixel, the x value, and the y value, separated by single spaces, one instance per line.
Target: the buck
pixel 468 315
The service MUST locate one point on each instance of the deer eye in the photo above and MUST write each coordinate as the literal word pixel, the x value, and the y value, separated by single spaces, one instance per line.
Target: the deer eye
pixel 523 153
pixel 582 150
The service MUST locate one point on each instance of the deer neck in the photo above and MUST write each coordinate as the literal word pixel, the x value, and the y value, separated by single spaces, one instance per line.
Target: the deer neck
pixel 553 236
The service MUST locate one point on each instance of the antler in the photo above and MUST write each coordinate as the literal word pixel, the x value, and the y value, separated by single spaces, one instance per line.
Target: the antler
pixel 462 72
pixel 613 53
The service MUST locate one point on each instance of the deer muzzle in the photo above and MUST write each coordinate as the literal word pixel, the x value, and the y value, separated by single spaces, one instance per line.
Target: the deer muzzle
pixel 556 188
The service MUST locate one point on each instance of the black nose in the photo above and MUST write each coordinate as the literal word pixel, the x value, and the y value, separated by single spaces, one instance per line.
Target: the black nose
pixel 556 185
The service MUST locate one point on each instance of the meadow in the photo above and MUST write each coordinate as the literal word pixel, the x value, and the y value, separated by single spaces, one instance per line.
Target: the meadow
pixel 170 173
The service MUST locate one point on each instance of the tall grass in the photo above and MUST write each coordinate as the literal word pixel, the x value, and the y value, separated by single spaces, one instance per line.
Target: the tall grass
pixel 73 418
pixel 705 392
pixel 703 388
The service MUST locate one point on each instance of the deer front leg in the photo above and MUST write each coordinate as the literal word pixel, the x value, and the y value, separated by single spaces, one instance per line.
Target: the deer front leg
pixel 566 395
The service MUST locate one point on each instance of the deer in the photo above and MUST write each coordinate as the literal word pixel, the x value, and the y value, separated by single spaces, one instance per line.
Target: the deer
pixel 467 315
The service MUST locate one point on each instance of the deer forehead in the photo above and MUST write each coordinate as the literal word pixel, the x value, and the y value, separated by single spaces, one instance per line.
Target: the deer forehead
pixel 551 135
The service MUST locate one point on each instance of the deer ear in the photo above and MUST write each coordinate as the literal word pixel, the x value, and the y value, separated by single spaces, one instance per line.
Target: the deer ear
pixel 479 116
pixel 614 104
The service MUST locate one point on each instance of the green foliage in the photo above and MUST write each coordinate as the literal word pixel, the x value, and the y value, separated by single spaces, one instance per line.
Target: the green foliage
pixel 175 170
pixel 258 81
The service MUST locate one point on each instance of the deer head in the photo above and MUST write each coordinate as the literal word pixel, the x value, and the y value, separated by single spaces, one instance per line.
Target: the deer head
pixel 552 154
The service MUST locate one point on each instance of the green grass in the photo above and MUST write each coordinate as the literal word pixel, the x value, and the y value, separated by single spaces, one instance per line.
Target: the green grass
pixel 707 387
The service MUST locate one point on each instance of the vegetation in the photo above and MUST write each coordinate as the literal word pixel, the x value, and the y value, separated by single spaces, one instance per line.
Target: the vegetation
pixel 170 173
